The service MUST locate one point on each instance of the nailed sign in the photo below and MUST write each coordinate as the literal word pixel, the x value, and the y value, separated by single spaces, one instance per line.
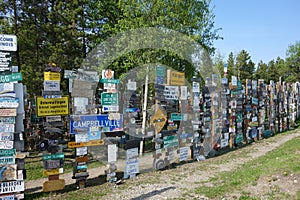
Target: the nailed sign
pixel 158 120
pixel 7 152
pixel 8 112
pixel 51 76
pixel 7 160
pixel 48 107
pixel 12 186
pixel 11 78
pixel 51 85
pixel 52 164
pixel 7 128
pixel 85 144
pixel 53 185
pixel 53 156
pixel 6 144
pixel 8 42
pixel 6 136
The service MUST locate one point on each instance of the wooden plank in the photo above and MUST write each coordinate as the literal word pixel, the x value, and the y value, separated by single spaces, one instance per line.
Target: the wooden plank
pixel 82 159
pixel 12 186
pixel 53 185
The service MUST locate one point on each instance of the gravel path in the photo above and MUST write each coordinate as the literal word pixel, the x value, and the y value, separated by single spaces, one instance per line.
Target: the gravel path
pixel 178 181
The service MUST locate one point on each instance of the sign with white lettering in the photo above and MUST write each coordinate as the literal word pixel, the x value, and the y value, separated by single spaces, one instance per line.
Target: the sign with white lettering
pixel 12 186
pixel 86 121
pixel 7 160
pixel 81 151
pixel 7 120
pixel 11 78
pixel 7 152
pixel 8 42
pixel 9 102
pixel 184 152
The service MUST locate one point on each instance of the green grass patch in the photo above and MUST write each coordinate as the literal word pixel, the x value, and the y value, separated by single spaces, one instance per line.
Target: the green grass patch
pixel 282 159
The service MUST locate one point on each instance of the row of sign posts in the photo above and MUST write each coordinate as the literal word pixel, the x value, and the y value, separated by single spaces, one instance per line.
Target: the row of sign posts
pixel 12 165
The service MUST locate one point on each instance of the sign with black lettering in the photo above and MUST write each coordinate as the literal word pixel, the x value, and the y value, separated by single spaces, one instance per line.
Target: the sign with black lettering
pixel 12 186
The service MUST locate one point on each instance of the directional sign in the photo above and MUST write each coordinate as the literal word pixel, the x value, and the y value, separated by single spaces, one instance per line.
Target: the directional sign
pixel 158 120
pixel 86 121
pixel 85 144
pixel 108 99
pixel 11 187
pixel 53 185
pixel 11 78
pixel 53 156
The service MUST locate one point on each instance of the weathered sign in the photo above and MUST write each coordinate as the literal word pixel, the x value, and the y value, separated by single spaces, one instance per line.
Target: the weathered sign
pixel 7 128
pixel 81 151
pixel 53 156
pixel 7 152
pixel 6 87
pixel 175 78
pixel 8 172
pixel 52 164
pixel 53 171
pixel 11 187
pixel 53 185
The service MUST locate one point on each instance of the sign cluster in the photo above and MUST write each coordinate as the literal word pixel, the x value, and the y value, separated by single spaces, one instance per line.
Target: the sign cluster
pixel 12 165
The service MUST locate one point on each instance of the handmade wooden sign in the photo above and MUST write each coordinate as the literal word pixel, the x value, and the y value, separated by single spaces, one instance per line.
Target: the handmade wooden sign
pixel 53 185
pixel 12 186
pixel 82 159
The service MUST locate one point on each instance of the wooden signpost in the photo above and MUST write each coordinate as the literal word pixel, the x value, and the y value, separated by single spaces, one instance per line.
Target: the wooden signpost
pixel 53 185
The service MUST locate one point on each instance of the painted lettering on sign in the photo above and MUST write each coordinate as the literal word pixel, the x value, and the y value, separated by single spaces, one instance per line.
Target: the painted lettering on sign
pixel 48 107
pixel 8 42
pixel 7 128
pixel 7 120
pixel 12 186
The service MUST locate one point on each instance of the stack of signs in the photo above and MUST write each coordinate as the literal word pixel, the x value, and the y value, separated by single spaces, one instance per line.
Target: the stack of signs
pixel 278 112
pixel 232 111
pixel 262 96
pixel 239 114
pixel 224 142
pixel 132 163
pixel 87 132
pixel 254 116
pixel 12 167
pixel 52 105
pixel 207 116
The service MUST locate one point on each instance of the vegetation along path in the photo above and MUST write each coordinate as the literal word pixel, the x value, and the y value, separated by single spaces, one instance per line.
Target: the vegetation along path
pixel 267 169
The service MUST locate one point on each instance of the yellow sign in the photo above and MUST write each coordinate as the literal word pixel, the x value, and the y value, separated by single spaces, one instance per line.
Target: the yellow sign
pixel 53 185
pixel 51 76
pixel 175 78
pixel 85 144
pixel 50 107
pixel 53 171
pixel 158 120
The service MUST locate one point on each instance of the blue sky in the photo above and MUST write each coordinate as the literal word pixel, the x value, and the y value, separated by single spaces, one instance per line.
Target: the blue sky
pixel 264 28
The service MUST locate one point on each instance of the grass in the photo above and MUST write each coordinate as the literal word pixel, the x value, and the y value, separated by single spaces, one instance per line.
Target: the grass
pixel 277 161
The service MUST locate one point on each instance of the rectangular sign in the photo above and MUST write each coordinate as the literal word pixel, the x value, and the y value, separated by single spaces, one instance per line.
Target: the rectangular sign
pixel 111 108
pixel 51 85
pixel 48 107
pixel 6 87
pixel 5 62
pixel 8 172
pixel 52 164
pixel 170 141
pixel 86 121
pixel 51 76
pixel 184 152
pixel 82 159
pixel 94 135
pixel 108 99
pixel 171 92
pixel 9 102
pixel 85 144
pixel 6 144
pixel 81 151
pixel 9 112
pixel 175 78
pixel 8 43
pixel 7 160
pixel 7 152
pixel 53 156
pixel 6 136
pixel 176 117
pixel 81 137
pixel 10 78
pixel 7 128
pixel 132 166
pixel 53 171
pixel 53 185
pixel 11 187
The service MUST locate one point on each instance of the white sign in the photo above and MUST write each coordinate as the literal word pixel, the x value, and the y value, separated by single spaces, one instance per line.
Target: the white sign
pixel 7 128
pixel 112 108
pixel 132 153
pixel 171 92
pixel 81 137
pixel 8 42
pixel 112 153
pixel 196 87
pixel 6 87
pixel 56 118
pixel 184 92
pixel 6 144
pixel 132 166
pixel 12 186
pixel 6 136
pixel 224 142
pixel 9 160
pixel 51 85
pixel 131 85
pixel 184 152
pixel 107 74
pixel 81 151
pixel 233 80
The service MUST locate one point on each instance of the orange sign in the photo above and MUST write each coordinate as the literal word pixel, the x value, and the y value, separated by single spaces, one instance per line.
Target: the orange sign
pixel 175 78
pixel 85 144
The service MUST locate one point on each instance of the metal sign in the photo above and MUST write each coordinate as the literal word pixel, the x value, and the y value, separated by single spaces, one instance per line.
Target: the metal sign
pixel 11 78
pixel 8 42
pixel 51 76
pixel 113 81
pixel 53 156
pixel 51 85
pixel 171 92
pixel 48 107
pixel 6 144
pixel 170 141
pixel 158 120
pixel 9 102
pixel 7 152
pixel 6 87
pixel 175 78
pixel 82 159
pixel 86 121
pixel 7 128
pixel 81 151
pixel 11 187
pixel 52 164
pixel 7 160
pixel 108 99
pixel 176 117
pixel 6 136
pixel 53 171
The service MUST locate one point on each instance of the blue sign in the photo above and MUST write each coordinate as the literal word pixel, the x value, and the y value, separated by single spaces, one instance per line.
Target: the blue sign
pixel 94 135
pixel 131 110
pixel 84 122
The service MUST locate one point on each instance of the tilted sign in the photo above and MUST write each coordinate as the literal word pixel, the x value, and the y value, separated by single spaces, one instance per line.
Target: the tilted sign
pixel 86 121
pixel 12 186
pixel 6 87
pixel 8 42
pixel 85 144
pixel 48 107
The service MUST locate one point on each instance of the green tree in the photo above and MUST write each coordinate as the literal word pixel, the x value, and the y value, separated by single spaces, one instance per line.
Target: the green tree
pixel 293 62
pixel 244 65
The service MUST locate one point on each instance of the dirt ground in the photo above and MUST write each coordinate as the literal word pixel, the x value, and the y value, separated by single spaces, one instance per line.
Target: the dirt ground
pixel 180 182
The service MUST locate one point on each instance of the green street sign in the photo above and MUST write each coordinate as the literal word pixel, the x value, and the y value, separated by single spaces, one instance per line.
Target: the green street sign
pixel 53 156
pixel 176 117
pixel 113 81
pixel 108 99
pixel 160 71
pixel 170 141
pixel 10 78
pixel 7 152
